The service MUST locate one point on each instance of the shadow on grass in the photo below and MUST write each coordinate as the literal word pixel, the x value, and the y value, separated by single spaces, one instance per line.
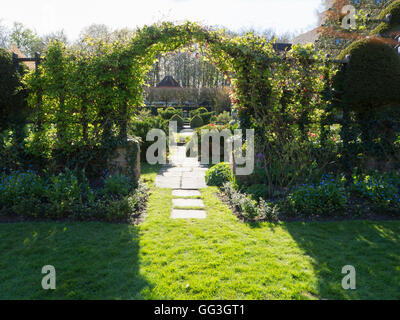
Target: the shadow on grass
pixel 92 261
pixel 373 248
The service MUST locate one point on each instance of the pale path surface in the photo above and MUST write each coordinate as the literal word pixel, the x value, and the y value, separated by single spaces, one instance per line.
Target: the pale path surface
pixel 185 176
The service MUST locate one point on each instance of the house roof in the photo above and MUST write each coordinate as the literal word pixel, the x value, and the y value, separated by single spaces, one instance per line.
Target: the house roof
pixel 306 38
pixel 168 82
pixel 29 64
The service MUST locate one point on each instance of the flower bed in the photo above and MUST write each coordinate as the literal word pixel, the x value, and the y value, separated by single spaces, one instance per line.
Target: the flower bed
pixel 69 196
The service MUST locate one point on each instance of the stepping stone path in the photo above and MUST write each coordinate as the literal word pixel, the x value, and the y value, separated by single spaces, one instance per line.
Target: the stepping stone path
pixel 185 176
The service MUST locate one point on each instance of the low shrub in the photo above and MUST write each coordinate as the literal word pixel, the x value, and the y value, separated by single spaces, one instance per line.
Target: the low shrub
pixel 382 191
pixel 117 185
pixel 258 191
pixel 327 197
pixel 249 208
pixel 69 196
pixel 219 174
pixel 196 122
pixel 223 118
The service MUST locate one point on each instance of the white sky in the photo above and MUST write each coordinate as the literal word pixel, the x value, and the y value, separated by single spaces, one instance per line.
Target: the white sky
pixel 45 16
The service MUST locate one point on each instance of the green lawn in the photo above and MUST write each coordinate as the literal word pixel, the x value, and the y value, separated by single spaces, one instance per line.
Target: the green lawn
pixel 217 258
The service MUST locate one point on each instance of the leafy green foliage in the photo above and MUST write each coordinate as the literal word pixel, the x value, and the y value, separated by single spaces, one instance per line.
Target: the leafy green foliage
pixel 380 190
pixel 219 174
pixel 196 122
pixel 258 191
pixel 248 207
pixel 142 124
pixel 117 185
pixel 372 77
pixel 327 197
pixel 206 117
pixel 179 120
pixel 197 112
pixel 69 196
pixel 223 118
pixel 168 113
pixel 384 29
pixel 12 103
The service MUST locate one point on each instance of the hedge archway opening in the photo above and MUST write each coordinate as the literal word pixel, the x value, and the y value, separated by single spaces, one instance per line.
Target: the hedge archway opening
pixel 83 99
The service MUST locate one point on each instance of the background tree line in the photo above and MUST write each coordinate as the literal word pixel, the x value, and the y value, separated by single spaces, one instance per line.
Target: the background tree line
pixel 187 68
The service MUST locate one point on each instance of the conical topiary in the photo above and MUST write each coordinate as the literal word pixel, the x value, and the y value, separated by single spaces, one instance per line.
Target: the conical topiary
pixel 196 122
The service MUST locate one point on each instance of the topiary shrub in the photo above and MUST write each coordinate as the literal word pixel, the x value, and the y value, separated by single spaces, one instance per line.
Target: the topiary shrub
pixel 197 112
pixel 179 120
pixel 372 78
pixel 196 122
pixel 385 29
pixel 168 113
pixel 219 174
pixel 206 117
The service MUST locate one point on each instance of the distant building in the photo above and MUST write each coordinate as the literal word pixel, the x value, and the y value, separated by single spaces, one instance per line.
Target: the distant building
pixel 29 64
pixel 168 82
pixel 306 38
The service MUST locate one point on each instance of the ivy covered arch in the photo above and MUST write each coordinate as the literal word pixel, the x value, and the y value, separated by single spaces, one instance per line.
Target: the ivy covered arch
pixel 244 60
pixel 83 99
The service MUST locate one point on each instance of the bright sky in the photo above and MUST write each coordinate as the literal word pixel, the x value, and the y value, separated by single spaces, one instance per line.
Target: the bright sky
pixel 46 16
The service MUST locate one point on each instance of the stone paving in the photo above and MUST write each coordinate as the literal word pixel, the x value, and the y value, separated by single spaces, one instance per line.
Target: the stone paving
pixel 185 176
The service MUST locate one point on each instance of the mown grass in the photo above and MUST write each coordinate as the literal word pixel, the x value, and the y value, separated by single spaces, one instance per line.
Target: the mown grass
pixel 215 258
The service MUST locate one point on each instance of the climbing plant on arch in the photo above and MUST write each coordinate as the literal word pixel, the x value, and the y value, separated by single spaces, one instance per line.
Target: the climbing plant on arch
pixel 87 96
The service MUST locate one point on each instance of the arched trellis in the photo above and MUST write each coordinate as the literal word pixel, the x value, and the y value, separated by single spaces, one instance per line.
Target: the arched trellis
pixel 244 60
pixel 87 96
pixel 115 74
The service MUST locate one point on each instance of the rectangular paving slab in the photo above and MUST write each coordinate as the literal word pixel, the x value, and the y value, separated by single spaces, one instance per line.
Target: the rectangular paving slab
pixel 168 182
pixel 188 214
pixel 186 193
pixel 188 203
pixel 193 183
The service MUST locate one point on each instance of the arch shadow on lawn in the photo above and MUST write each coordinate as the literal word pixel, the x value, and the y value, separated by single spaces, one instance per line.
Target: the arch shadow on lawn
pixel 372 247
pixel 92 261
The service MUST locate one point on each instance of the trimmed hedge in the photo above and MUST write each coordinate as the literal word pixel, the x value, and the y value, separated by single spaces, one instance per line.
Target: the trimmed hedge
pixel 372 78
pixel 206 117
pixel 179 120
pixel 197 112
pixel 384 29
pixel 168 113
pixel 196 122
pixel 12 102
pixel 219 174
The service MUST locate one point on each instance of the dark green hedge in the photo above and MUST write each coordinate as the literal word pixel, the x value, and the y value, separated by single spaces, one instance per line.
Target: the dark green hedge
pixel 384 29
pixel 372 78
pixel 12 102
pixel 196 122
pixel 179 120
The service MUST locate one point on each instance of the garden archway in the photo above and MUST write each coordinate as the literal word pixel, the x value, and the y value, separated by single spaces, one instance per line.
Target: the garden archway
pixel 87 96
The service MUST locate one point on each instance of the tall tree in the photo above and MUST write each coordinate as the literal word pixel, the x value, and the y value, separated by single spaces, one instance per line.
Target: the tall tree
pixel 4 36
pixel 26 39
